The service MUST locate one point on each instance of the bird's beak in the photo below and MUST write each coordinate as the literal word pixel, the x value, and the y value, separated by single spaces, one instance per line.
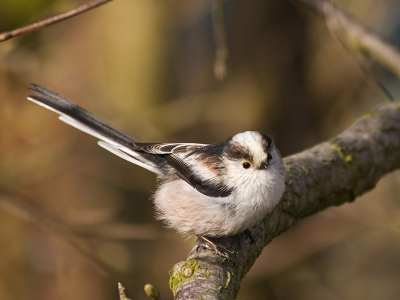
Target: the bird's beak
pixel 263 166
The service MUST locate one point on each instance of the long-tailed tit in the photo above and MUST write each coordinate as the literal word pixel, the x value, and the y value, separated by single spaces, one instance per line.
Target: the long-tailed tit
pixel 206 190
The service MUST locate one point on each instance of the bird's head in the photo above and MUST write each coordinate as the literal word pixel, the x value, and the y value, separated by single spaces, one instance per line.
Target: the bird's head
pixel 251 159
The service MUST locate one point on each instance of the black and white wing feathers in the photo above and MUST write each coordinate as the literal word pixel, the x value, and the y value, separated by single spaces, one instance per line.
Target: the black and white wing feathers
pixel 111 138
pixel 180 149
pixel 156 157
pixel 76 116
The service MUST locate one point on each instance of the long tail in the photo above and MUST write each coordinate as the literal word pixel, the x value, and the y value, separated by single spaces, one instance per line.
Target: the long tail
pixel 111 138
pixel 77 116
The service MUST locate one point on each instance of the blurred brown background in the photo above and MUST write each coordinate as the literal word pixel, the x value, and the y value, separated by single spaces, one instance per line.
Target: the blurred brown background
pixel 146 67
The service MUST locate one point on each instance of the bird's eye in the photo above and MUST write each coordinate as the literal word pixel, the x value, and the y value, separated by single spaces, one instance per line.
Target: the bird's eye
pixel 246 165
pixel 269 156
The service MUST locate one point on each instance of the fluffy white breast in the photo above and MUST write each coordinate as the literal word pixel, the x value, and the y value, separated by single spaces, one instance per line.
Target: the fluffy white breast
pixel 256 191
pixel 190 212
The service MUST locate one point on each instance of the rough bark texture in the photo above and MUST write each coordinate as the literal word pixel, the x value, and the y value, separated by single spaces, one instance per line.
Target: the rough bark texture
pixel 328 174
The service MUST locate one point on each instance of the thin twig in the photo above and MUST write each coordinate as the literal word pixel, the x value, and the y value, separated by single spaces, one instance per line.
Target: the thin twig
pixel 33 215
pixel 121 291
pixel 339 32
pixel 357 35
pixel 18 207
pixel 52 20
pixel 75 236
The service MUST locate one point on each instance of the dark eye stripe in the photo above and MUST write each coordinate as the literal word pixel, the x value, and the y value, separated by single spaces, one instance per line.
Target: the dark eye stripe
pixel 235 151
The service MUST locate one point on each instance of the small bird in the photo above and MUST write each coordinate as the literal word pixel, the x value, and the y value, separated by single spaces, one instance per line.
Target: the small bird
pixel 210 190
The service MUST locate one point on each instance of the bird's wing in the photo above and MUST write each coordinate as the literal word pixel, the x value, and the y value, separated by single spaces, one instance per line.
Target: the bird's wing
pixel 213 187
pixel 111 138
pixel 156 157
pixel 180 149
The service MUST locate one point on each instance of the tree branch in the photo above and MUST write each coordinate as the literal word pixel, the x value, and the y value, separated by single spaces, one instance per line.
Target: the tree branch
pixel 326 175
pixel 52 20
pixel 355 34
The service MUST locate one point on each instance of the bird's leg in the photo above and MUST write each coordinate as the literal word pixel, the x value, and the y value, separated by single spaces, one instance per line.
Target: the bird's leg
pixel 212 246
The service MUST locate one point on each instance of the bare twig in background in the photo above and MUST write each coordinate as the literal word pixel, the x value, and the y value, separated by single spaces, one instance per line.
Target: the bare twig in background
pixel 329 174
pixel 77 235
pixel 364 40
pixel 30 213
pixel 221 47
pixel 121 231
pixel 113 231
pixel 221 53
pixel 359 57
pixel 52 20
pixel 33 215
pixel 121 291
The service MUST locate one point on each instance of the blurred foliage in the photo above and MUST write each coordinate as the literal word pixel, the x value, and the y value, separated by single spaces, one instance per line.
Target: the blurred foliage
pixel 146 67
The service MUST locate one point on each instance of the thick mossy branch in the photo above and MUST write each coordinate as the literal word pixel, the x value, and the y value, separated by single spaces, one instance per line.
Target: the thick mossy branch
pixel 328 174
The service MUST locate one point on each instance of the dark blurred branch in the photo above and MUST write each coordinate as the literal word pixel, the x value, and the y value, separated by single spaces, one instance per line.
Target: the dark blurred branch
pixel 329 174
pixel 52 20
pixel 114 231
pixel 356 34
pixel 30 213
pixel 121 231
pixel 33 215
pixel 221 51
pixel 77 235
